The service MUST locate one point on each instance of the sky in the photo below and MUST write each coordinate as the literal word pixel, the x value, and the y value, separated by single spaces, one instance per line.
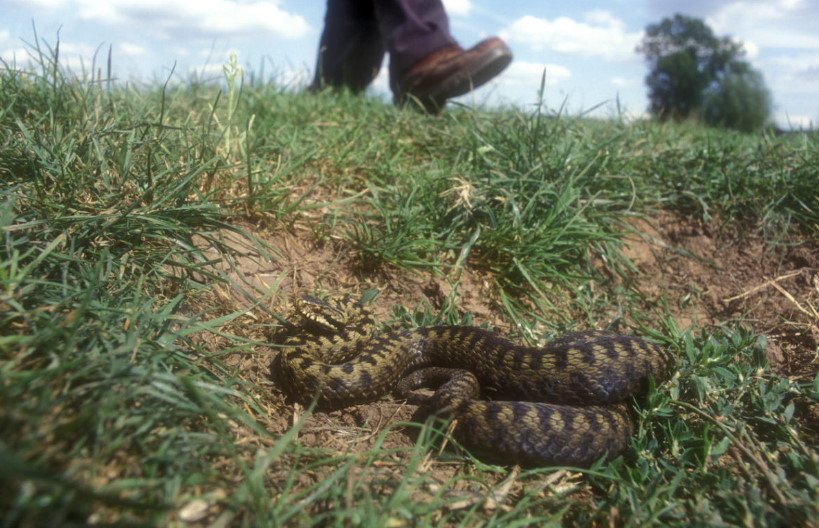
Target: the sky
pixel 586 48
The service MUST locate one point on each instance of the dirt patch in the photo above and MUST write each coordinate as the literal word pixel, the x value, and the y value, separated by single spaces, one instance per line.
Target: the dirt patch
pixel 709 276
pixel 290 263
pixel 704 276
pixel 265 275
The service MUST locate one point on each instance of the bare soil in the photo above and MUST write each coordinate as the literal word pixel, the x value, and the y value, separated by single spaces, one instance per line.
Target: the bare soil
pixel 704 274
pixel 709 276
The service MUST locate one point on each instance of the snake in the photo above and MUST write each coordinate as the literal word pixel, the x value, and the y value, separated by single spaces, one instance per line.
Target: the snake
pixel 561 404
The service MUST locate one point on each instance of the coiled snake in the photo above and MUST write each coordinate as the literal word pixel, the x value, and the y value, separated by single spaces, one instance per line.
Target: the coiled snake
pixel 561 404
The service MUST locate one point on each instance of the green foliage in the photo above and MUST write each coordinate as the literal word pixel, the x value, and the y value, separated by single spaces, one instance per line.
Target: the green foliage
pixel 99 202
pixel 725 407
pixel 740 101
pixel 692 72
pixel 692 35
pixel 676 86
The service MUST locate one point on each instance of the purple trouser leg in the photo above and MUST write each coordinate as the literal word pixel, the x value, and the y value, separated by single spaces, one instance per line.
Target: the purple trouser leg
pixel 412 29
pixel 357 32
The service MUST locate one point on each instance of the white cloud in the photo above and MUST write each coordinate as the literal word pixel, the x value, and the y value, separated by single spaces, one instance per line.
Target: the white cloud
pixel 751 49
pixel 799 69
pixel 209 71
pixel 198 18
pixel 781 39
pixel 774 24
pixel 790 4
pixel 293 78
pixel 620 82
pixel 601 17
pixel 78 57
pixel 10 55
pixel 14 56
pixel 75 57
pixel 601 35
pixel 799 122
pixel 529 74
pixel 704 8
pixel 808 71
pixel 458 7
pixel 213 63
pixel 43 4
pixel 132 50
pixel 287 76
pixel 520 76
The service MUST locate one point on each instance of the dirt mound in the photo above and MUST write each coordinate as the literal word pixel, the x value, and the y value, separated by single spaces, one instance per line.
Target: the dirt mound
pixel 709 276
pixel 706 274
pixel 702 274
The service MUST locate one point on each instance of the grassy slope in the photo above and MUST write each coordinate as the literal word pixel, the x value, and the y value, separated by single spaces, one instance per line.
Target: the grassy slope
pixel 111 408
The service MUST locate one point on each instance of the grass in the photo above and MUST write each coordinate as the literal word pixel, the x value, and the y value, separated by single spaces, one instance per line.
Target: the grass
pixel 115 409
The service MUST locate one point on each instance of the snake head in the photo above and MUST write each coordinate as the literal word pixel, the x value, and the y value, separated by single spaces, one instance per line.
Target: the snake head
pixel 328 316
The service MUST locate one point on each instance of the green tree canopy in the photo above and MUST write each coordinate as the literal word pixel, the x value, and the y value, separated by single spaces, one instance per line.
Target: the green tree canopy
pixel 690 67
pixel 740 101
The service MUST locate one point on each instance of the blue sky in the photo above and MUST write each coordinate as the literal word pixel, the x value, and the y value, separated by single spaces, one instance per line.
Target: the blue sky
pixel 585 47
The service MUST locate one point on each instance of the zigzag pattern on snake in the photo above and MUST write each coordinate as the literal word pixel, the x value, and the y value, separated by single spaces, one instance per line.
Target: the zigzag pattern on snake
pixel 560 404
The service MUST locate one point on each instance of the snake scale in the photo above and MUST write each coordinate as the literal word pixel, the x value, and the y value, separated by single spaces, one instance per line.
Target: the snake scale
pixel 560 404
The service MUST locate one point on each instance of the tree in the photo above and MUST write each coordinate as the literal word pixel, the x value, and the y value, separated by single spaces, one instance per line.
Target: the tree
pixel 689 66
pixel 740 101
pixel 676 86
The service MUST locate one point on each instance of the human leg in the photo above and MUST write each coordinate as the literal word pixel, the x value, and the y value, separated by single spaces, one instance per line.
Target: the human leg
pixel 412 30
pixel 426 63
pixel 351 49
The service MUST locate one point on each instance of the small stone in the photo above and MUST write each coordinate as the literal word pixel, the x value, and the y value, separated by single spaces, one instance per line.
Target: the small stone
pixel 194 511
